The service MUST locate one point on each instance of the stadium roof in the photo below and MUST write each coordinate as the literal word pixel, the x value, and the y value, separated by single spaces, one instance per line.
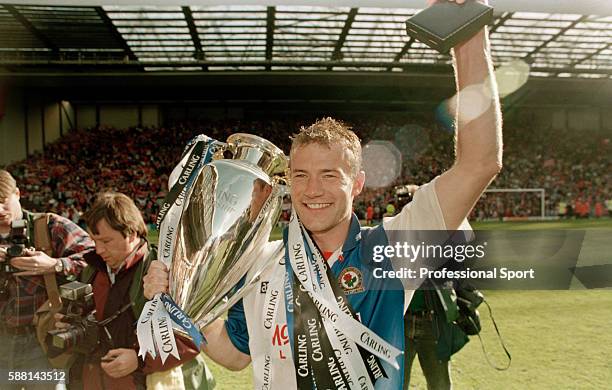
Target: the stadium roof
pixel 281 38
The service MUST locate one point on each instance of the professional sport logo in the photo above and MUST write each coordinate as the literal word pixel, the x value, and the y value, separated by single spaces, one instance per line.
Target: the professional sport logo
pixel 351 280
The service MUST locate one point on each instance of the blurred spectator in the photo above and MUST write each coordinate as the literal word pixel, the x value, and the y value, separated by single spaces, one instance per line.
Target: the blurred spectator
pixel 369 214
pixel 569 165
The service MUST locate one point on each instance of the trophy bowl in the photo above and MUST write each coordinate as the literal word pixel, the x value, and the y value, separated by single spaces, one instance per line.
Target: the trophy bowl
pixel 231 210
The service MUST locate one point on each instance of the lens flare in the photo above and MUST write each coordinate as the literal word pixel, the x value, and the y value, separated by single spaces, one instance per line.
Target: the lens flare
pixel 511 76
pixel 382 163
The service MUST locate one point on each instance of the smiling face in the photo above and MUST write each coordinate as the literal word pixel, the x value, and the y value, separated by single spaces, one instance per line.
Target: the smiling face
pixel 322 191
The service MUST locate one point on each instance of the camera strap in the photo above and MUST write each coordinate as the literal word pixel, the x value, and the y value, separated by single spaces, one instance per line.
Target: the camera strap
pixel 55 302
pixel 501 341
pixel 42 242
pixel 102 324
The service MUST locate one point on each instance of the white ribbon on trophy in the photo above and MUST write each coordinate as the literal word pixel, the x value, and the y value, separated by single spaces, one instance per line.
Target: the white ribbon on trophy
pixel 154 328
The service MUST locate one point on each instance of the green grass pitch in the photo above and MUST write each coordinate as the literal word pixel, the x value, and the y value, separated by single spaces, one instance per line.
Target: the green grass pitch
pixel 558 339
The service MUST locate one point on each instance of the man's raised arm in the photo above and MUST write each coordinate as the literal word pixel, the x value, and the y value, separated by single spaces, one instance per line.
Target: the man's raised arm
pixel 478 145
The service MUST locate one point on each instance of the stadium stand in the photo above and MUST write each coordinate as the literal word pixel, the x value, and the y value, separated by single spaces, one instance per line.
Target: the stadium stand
pixel 573 169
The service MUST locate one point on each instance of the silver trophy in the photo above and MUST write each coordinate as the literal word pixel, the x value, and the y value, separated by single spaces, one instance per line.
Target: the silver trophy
pixel 232 207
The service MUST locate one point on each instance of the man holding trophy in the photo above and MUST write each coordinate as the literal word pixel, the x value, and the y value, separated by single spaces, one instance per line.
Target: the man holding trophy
pixel 311 316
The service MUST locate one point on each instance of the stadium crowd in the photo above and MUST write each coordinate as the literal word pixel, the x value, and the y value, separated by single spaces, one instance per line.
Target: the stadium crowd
pixel 573 168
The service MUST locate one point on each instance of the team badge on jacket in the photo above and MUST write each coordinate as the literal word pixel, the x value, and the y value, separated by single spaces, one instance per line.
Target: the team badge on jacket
pixel 351 280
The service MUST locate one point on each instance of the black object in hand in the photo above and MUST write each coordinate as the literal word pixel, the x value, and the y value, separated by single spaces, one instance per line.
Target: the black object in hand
pixel 446 24
pixel 19 240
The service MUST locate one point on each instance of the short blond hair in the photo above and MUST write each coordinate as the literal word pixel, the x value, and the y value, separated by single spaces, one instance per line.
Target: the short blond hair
pixel 328 132
pixel 119 211
pixel 8 185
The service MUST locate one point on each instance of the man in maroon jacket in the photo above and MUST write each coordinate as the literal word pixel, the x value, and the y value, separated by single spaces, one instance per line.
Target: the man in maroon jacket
pixel 121 257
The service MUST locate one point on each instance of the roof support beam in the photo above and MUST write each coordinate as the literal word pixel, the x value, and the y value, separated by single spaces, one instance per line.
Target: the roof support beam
pixel 408 67
pixel 193 31
pixel 554 37
pixel 109 24
pixel 30 27
pixel 402 52
pixel 586 58
pixel 500 22
pixel 270 34
pixel 337 54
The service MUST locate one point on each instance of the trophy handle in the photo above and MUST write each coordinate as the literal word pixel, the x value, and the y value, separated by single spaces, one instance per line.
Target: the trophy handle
pixel 258 151
pixel 219 149
pixel 283 184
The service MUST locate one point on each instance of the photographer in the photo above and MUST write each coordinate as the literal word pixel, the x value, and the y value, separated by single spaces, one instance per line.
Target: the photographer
pixel 31 245
pixel 115 273
pixel 431 335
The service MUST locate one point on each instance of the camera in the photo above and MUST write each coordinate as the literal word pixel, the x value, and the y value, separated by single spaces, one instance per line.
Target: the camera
pixel 19 241
pixel 468 300
pixel 403 194
pixel 78 310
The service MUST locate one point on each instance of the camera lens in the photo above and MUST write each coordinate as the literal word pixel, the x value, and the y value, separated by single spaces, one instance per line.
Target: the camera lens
pixel 15 251
pixel 68 338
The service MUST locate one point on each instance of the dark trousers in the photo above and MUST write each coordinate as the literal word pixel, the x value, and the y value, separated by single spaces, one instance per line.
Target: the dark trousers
pixel 421 341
